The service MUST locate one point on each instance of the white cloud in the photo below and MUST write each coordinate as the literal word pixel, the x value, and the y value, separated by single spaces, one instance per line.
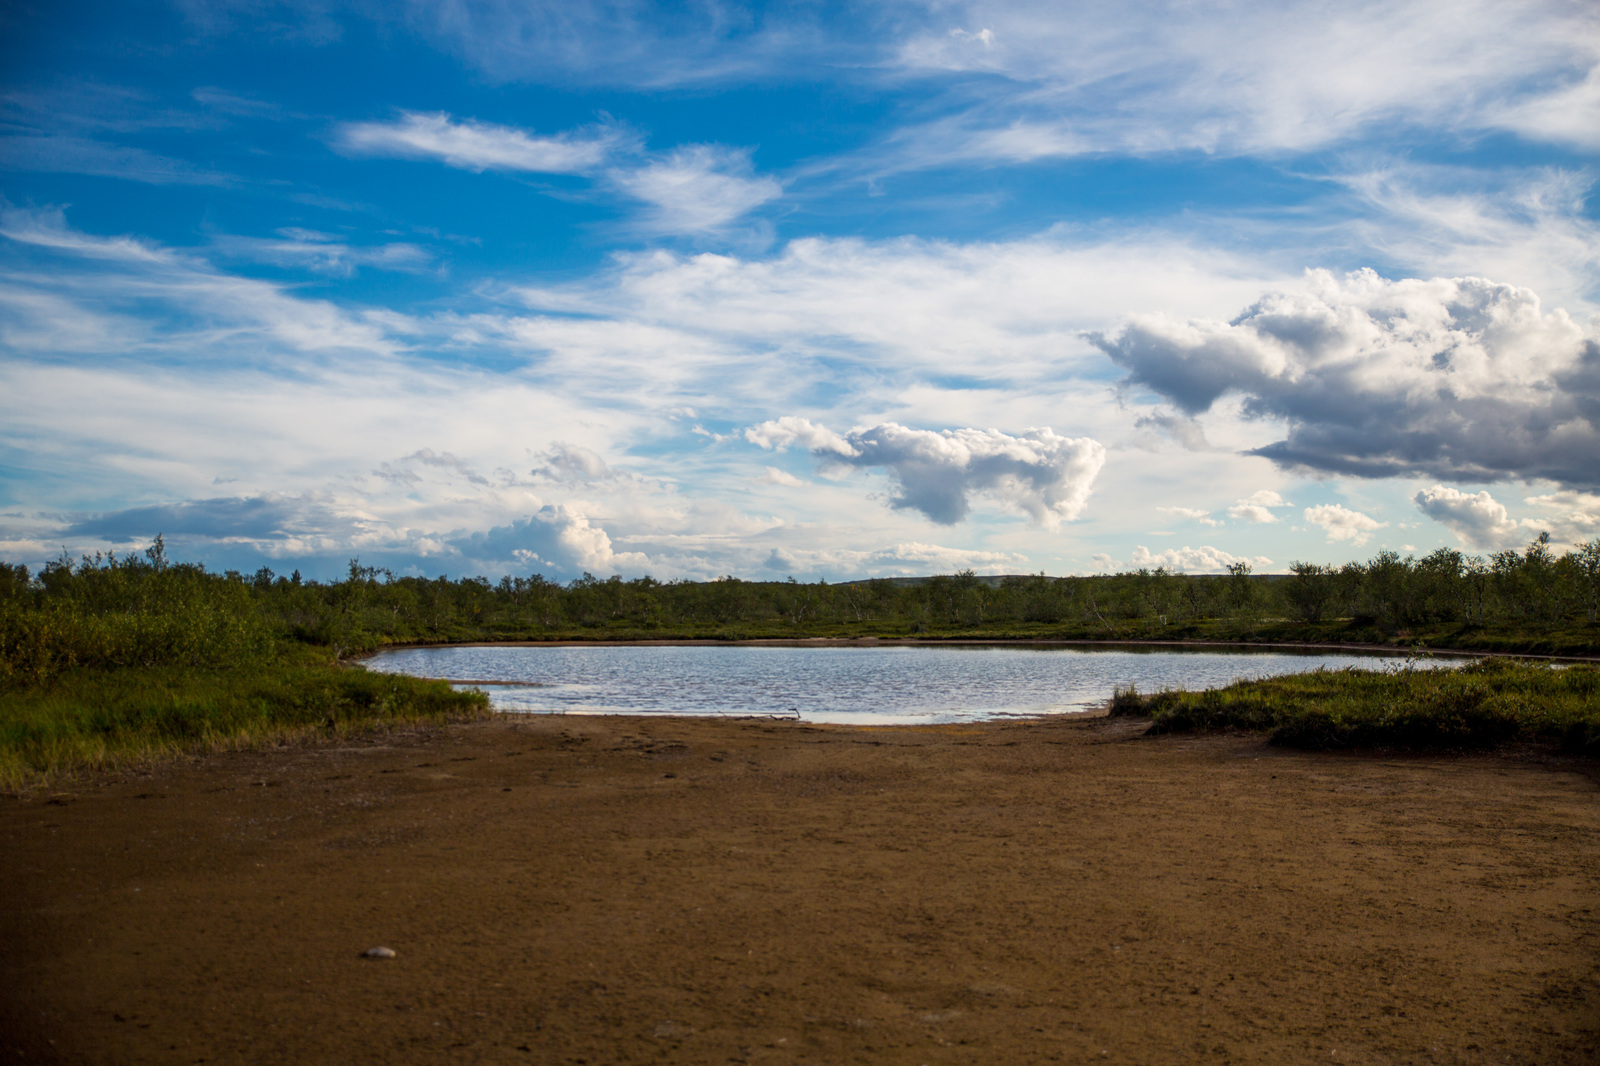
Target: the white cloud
pixel 779 433
pixel 1249 512
pixel 403 470
pixel 200 308
pixel 1204 560
pixel 1572 518
pixel 1456 377
pixel 1527 223
pixel 1254 508
pixel 697 189
pixel 911 558
pixel 871 308
pixel 1045 476
pixel 1341 523
pixel 1192 513
pixel 774 476
pixel 556 538
pixel 1479 520
pixel 325 254
pixel 479 146
pixel 1149 76
pixel 569 462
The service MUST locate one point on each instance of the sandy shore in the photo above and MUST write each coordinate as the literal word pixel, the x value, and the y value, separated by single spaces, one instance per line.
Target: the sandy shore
pixel 624 890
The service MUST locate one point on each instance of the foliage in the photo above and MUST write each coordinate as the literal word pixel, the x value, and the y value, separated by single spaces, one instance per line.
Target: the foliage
pixel 103 718
pixel 1479 705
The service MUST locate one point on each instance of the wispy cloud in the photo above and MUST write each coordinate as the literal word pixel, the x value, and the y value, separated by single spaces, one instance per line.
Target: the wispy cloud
pixel 325 254
pixel 1194 514
pixel 197 306
pixel 480 146
pixel 695 188
pixel 1150 77
pixel 71 154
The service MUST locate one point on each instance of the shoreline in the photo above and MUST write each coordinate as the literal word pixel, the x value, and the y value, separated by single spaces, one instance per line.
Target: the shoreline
pixel 1376 650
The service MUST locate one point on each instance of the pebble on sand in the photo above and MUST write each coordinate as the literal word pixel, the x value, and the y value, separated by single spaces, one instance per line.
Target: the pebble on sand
pixel 378 953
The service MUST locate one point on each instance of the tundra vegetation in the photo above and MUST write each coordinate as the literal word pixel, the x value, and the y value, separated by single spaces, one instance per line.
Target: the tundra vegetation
pixel 108 658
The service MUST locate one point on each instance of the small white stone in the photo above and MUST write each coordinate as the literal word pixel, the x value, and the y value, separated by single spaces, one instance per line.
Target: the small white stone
pixel 378 953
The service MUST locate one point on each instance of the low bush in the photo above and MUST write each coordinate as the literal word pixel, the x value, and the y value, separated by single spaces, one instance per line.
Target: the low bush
pixel 1479 705
pixel 107 718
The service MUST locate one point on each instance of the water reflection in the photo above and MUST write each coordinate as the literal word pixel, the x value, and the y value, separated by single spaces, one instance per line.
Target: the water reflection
pixel 854 684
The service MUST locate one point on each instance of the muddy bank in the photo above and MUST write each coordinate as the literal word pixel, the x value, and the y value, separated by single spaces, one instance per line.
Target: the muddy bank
pixel 626 890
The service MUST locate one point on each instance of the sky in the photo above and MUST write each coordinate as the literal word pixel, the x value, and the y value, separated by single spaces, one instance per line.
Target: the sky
pixel 797 290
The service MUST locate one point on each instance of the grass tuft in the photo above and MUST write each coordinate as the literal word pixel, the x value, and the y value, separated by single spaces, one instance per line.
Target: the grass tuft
pixel 1478 706
pixel 123 718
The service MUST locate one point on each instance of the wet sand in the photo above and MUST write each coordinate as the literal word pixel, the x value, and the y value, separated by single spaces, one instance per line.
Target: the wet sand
pixel 624 890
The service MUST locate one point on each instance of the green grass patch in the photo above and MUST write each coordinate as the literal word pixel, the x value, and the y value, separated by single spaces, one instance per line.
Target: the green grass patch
pixel 101 719
pixel 1477 706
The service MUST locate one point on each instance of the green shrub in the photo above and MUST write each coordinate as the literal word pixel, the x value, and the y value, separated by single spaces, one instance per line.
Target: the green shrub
pixel 1479 705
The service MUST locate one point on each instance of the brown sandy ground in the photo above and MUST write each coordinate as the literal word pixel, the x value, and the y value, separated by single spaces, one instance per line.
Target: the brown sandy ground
pixel 626 890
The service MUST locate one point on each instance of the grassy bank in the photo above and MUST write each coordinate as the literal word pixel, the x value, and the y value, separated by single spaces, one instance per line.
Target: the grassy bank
pixel 1477 706
pixel 104 719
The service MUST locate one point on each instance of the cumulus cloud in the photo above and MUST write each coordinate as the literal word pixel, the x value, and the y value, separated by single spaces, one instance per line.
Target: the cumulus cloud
pixel 557 538
pixel 1203 560
pixel 1254 508
pixel 1454 377
pixel 1341 523
pixel 569 462
pixel 479 146
pixel 1478 519
pixel 1043 475
pixel 781 432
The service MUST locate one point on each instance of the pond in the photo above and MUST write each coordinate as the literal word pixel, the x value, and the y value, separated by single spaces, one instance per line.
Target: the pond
pixel 854 684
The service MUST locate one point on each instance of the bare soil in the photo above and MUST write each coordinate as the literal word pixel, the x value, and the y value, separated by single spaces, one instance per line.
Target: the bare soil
pixel 630 890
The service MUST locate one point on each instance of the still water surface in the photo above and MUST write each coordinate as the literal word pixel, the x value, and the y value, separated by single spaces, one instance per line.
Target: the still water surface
pixel 859 685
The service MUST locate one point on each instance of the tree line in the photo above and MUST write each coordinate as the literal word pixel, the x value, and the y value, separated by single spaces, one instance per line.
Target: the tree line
pixel 143 609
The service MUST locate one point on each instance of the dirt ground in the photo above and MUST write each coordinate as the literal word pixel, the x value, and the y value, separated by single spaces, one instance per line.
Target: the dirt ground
pixel 624 890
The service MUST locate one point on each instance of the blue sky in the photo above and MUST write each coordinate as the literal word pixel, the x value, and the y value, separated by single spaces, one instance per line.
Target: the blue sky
pixel 804 289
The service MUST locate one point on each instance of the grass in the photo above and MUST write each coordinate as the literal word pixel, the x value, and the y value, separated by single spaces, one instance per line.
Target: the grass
pixel 106 719
pixel 1477 706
